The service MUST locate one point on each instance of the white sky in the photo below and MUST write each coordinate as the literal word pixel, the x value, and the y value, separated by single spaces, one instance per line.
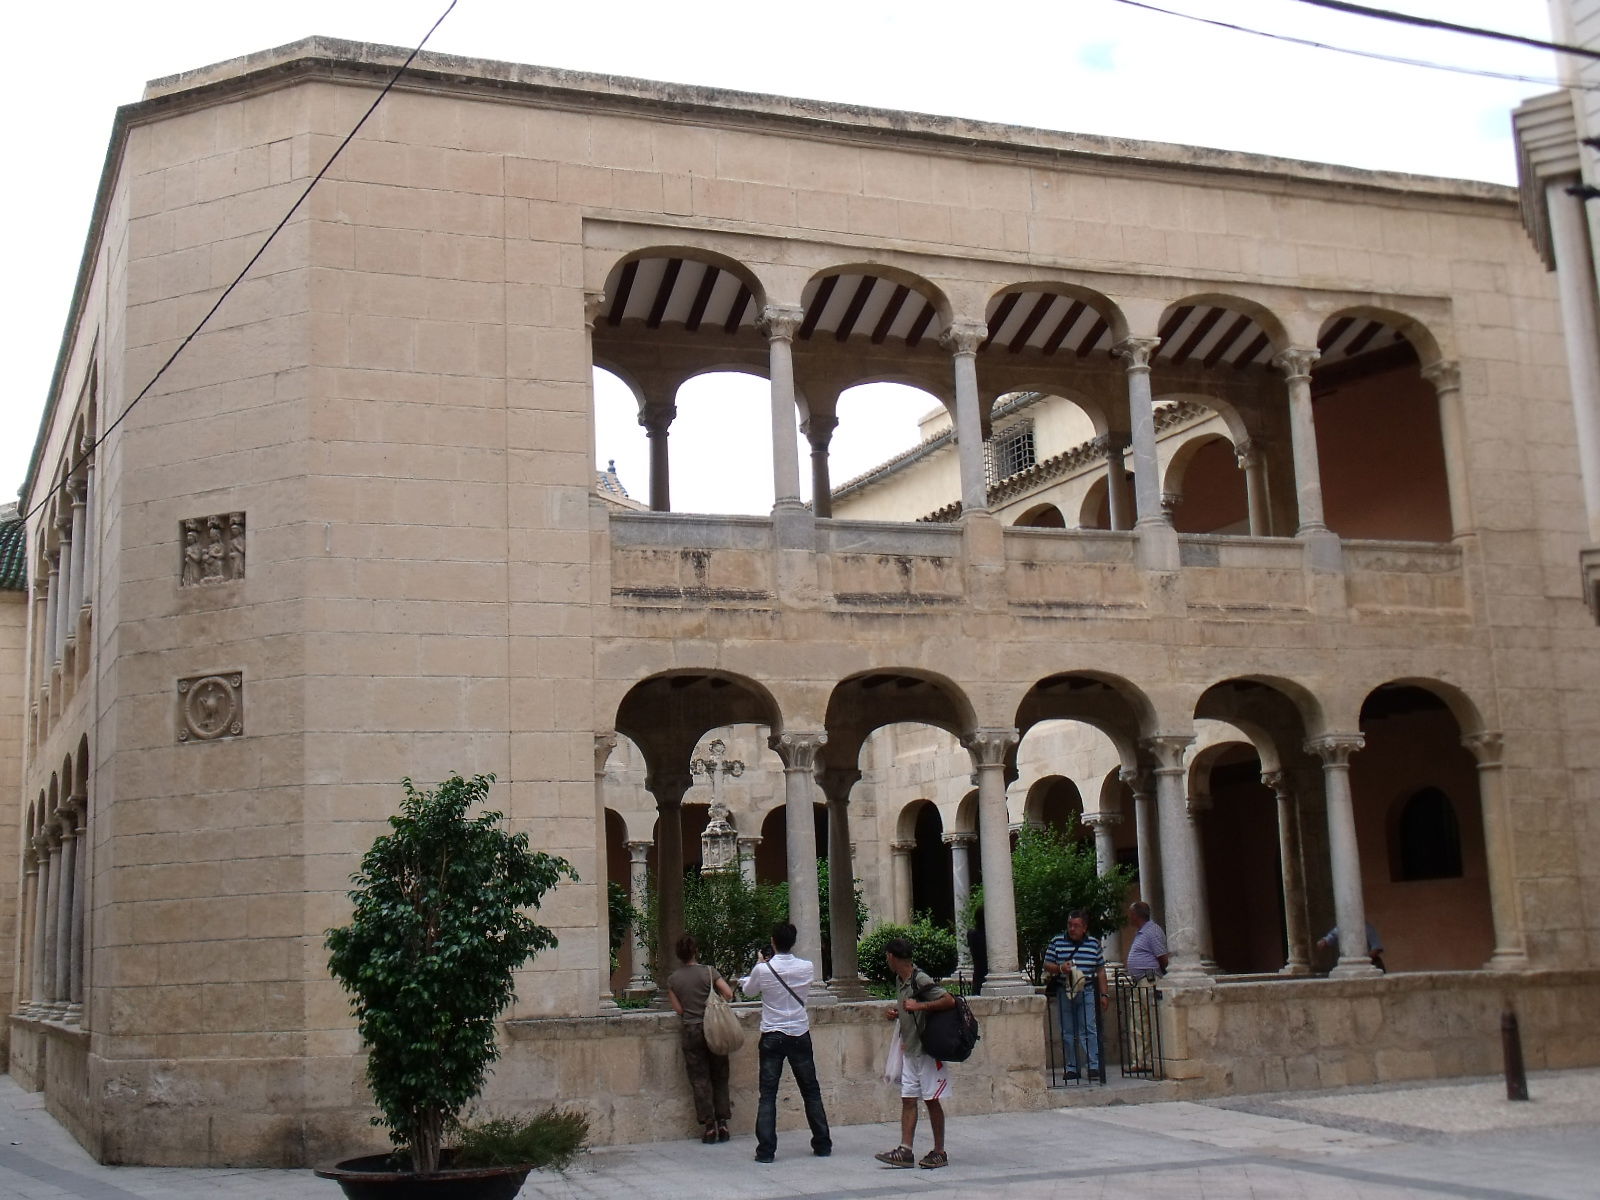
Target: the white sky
pixel 1093 66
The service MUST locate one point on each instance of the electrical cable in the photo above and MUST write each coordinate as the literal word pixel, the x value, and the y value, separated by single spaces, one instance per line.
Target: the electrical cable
pixel 1385 14
pixel 1390 58
pixel 254 258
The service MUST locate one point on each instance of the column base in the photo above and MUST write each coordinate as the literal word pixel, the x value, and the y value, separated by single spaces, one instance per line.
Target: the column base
pixel 1210 966
pixel 1295 970
pixel 1010 983
pixel 1324 550
pixel 607 1004
pixel 1187 975
pixel 1354 968
pixel 1507 960
pixel 640 990
pixel 1157 548
pixel 848 989
pixel 823 997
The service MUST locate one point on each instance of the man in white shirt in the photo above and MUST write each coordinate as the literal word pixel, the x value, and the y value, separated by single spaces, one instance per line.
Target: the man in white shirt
pixel 783 981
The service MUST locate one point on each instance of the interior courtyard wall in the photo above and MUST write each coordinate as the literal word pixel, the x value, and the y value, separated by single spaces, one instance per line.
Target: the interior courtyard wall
pixel 13 679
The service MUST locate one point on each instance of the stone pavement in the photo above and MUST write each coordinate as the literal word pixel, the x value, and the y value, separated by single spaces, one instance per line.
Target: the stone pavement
pixel 1457 1139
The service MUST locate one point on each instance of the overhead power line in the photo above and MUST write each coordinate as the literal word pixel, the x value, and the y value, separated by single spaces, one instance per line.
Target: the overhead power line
pixel 254 258
pixel 1384 14
pixel 1401 60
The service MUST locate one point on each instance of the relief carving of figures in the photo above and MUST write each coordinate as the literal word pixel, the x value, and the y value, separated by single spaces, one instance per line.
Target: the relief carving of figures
pixel 213 549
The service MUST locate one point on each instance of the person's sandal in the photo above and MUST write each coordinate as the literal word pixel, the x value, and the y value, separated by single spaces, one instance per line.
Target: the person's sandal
pixel 709 1135
pixel 900 1156
pixel 722 1131
pixel 934 1158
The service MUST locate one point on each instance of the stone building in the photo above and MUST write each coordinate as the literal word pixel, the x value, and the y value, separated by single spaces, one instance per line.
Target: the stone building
pixel 354 533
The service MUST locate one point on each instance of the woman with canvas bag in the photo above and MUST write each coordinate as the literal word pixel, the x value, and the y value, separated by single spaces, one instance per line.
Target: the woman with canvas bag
pixel 699 994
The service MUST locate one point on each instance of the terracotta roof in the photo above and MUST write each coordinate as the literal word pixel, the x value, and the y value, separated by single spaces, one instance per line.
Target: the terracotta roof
pixel 13 551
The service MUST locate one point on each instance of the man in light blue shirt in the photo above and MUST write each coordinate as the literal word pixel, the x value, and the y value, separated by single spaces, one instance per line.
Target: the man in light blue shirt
pixel 1147 955
pixel 783 981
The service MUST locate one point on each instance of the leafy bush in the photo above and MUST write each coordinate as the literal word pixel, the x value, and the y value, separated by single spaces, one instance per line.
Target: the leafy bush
pixel 933 947
pixel 730 917
pixel 551 1139
pixel 438 927
pixel 1052 875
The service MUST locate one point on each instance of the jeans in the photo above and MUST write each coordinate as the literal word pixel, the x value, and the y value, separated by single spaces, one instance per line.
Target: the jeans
pixel 775 1050
pixel 1080 1030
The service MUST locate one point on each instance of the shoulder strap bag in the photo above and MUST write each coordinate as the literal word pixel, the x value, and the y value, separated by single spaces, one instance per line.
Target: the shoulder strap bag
pixel 721 1026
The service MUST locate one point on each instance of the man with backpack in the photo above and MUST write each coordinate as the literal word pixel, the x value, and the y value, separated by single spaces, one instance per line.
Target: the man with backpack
pixel 922 1077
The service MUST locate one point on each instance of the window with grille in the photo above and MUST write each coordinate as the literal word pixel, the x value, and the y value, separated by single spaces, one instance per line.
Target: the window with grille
pixel 1011 451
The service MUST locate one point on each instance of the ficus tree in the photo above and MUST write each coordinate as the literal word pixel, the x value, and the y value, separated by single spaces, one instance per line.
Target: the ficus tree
pixel 441 921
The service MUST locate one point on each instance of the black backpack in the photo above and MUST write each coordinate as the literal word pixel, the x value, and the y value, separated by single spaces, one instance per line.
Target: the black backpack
pixel 950 1034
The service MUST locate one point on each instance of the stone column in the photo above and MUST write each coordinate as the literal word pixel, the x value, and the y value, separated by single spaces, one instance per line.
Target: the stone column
pixel 1510 949
pixel 657 421
pixel 1105 861
pixel 77 489
pixel 1141 417
pixel 962 339
pixel 668 790
pixel 1119 504
pixel 67 864
pixel 1180 859
pixel 1295 363
pixel 27 947
pixel 604 744
pixel 1195 805
pixel 1446 380
pixel 747 858
pixel 1297 933
pixel 52 923
pixel 961 881
pixel 66 611
pixel 989 749
pixel 842 932
pixel 77 932
pixel 1580 319
pixel 1349 907
pixel 1144 824
pixel 779 324
pixel 819 433
pixel 1253 463
pixel 799 751
pixel 640 984
pixel 52 613
pixel 43 898
pixel 900 851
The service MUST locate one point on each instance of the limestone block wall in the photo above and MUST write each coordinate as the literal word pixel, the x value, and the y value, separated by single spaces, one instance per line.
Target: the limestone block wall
pixel 1283 1035
pixel 13 667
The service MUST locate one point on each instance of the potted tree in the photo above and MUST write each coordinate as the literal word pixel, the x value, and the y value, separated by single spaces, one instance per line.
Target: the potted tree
pixel 440 922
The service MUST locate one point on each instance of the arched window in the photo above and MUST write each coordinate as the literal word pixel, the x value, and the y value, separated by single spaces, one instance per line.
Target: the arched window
pixel 1429 838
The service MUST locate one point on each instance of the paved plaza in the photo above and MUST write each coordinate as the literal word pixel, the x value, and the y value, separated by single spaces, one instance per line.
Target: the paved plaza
pixel 1453 1139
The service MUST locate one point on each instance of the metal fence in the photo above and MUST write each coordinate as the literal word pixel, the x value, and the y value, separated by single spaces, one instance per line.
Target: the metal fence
pixel 1138 1025
pixel 1075 1039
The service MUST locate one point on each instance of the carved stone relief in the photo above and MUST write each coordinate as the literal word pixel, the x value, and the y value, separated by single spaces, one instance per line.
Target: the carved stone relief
pixel 210 707
pixel 213 550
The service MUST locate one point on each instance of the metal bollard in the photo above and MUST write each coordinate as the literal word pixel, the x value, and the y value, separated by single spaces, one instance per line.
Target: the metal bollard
pixel 1511 1042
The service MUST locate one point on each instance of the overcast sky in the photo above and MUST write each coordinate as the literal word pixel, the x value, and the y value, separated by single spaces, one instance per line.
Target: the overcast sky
pixel 1094 66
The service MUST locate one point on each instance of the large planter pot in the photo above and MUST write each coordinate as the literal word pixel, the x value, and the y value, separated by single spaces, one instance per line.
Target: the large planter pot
pixel 373 1178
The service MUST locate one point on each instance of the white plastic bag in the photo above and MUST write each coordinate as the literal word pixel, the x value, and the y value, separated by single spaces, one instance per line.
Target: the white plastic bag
pixel 896 1058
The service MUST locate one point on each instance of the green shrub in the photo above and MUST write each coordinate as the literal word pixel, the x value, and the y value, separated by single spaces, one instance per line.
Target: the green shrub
pixel 1052 875
pixel 551 1139
pixel 933 947
pixel 730 917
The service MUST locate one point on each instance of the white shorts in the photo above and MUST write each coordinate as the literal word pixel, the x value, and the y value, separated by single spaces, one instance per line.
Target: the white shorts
pixel 923 1077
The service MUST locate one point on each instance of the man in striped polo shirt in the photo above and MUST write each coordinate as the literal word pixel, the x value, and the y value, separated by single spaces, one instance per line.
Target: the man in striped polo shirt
pixel 1080 1015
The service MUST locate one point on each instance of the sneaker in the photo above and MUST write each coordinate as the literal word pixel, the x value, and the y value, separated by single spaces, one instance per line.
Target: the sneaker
pixel 1071 1075
pixel 933 1159
pixel 900 1156
pixel 765 1158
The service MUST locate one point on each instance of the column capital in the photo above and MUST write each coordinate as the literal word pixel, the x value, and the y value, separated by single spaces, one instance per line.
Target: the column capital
pixel 964 337
pixel 1296 362
pixel 960 839
pixel 989 747
pixel 63 522
pixel 657 418
pixel 902 846
pixel 780 322
pixel 1445 375
pixel 1137 350
pixel 1196 803
pixel 1170 501
pixel 1485 746
pixel 593 304
pixel 668 787
pixel 1139 783
pixel 638 849
pixel 1278 781
pixel 749 839
pixel 1167 749
pixel 1111 443
pixel 1335 749
pixel 1248 453
pixel 604 744
pixel 1098 820
pixel 798 748
pixel 819 430
pixel 836 783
